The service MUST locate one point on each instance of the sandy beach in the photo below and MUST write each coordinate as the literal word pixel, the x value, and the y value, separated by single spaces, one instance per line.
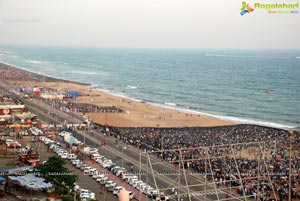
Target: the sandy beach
pixel 137 114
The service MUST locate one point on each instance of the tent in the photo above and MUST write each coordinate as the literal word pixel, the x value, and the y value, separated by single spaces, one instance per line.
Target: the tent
pixel 26 116
pixel 2 179
pixel 72 93
pixel 16 170
pixel 31 182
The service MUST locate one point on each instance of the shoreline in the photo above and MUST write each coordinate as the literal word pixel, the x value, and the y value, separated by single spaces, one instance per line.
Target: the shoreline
pixel 137 114
pixel 205 118
pixel 232 119
pixel 9 65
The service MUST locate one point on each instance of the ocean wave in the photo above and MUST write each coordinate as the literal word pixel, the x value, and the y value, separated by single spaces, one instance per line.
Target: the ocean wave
pixel 245 56
pixel 83 72
pixel 241 120
pixel 37 61
pixel 120 95
pixel 5 52
pixel 171 104
pixel 94 86
pixel 227 118
pixel 31 61
pixel 131 87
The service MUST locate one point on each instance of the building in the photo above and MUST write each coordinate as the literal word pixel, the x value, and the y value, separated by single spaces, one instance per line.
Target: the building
pixel 10 114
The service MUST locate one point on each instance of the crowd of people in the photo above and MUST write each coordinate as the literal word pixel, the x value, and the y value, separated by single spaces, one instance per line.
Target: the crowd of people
pixel 68 103
pixel 165 141
pixel 86 108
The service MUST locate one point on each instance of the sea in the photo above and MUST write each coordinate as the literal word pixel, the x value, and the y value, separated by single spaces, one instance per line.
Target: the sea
pixel 243 86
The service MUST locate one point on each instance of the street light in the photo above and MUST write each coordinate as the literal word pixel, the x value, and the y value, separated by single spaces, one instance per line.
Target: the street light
pixel 290 166
pixel 161 140
pixel 124 148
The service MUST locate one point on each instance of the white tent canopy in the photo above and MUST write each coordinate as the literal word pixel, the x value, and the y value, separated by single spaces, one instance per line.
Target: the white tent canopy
pixel 31 182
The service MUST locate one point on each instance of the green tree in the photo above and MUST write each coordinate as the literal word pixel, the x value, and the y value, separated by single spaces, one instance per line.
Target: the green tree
pixel 67 198
pixel 54 170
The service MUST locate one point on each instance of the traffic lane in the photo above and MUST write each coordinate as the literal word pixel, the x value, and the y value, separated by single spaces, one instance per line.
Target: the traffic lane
pixel 160 168
pixel 87 182
pixel 116 179
pixel 162 181
pixel 108 174
pixel 165 168
pixel 115 156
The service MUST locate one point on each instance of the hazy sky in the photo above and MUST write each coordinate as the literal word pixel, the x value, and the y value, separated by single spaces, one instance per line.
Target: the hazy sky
pixel 147 24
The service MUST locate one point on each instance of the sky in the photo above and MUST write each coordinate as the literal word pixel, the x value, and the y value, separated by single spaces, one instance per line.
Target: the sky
pixel 147 24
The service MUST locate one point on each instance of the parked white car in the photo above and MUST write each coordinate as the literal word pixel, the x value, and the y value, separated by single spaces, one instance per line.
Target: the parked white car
pixel 136 183
pixel 95 174
pixel 9 141
pixel 131 195
pixel 110 183
pixel 100 177
pixel 84 193
pixel 117 190
pixel 72 156
pixel 75 161
pixel 64 155
pixel 87 169
pixel 63 133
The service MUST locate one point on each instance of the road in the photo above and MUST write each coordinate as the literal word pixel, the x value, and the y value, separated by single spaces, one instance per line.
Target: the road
pixel 161 175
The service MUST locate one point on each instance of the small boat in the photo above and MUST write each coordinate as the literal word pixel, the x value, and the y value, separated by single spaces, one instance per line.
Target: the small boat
pixel 269 92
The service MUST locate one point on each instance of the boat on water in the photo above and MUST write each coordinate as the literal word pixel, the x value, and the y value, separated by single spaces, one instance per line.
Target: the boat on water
pixel 269 92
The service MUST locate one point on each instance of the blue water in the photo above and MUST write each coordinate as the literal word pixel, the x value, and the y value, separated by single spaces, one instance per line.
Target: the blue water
pixel 225 84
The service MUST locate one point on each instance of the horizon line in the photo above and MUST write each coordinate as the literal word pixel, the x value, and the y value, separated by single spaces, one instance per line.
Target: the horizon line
pixel 150 48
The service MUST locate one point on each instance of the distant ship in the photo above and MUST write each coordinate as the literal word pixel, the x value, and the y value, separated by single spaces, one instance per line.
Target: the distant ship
pixel 269 92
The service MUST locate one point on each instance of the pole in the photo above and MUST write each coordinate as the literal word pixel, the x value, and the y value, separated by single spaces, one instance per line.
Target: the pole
pixel 161 138
pixel 275 149
pixel 205 176
pixel 290 167
pixel 123 148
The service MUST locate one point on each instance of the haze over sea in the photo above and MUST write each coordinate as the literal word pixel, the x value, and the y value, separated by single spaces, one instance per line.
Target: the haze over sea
pixel 227 84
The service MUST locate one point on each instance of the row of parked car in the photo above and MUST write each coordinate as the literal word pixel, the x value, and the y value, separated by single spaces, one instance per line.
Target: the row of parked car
pixel 108 164
pixel 100 176
pixel 128 177
pixel 35 131
pixel 84 194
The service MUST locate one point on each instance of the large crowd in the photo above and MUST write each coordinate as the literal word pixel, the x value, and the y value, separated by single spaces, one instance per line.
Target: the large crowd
pixel 276 148
pixel 86 108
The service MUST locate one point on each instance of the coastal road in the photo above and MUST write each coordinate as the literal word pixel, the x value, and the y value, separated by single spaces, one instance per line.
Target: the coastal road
pixel 164 174
pixel 115 151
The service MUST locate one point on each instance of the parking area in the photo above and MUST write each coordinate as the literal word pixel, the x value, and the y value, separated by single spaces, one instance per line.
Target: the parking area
pixel 9 159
